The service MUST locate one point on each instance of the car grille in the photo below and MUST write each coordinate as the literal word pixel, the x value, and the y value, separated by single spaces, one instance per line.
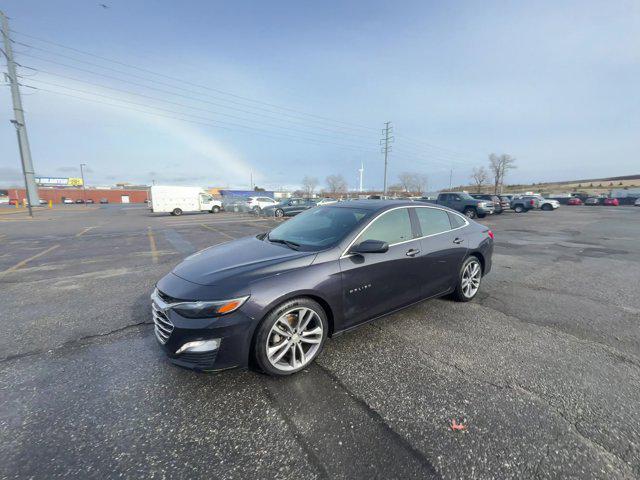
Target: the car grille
pixel 162 325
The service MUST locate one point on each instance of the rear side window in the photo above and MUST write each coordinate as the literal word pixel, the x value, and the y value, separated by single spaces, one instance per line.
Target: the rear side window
pixel 456 220
pixel 392 227
pixel 433 220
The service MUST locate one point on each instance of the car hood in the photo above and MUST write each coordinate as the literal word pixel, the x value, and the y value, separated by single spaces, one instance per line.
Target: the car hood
pixel 240 262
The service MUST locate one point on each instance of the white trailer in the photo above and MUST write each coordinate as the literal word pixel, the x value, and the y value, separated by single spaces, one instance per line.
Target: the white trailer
pixel 177 200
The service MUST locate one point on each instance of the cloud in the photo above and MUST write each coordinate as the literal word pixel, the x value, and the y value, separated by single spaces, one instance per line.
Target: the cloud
pixel 74 169
pixel 11 177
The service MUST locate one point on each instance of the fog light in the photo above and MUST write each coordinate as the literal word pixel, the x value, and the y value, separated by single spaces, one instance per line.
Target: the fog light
pixel 199 346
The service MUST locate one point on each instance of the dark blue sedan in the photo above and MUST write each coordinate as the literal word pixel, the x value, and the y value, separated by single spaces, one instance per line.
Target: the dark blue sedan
pixel 270 301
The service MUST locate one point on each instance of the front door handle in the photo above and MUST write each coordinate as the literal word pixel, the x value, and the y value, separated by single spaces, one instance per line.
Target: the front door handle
pixel 458 240
pixel 412 252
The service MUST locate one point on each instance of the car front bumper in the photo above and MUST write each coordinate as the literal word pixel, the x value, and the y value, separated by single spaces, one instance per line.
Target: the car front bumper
pixel 226 339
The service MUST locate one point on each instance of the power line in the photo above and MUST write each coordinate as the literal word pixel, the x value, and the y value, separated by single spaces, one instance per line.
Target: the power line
pixel 87 92
pixel 225 126
pixel 182 81
pixel 189 97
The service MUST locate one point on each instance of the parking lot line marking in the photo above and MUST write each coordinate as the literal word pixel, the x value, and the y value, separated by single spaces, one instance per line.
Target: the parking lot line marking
pixel 152 245
pixel 84 231
pixel 218 231
pixel 27 260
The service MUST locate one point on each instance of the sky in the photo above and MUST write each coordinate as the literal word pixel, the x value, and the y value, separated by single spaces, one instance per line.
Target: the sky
pixel 219 93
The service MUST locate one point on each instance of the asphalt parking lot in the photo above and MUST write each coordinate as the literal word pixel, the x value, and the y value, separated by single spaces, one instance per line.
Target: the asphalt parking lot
pixel 543 369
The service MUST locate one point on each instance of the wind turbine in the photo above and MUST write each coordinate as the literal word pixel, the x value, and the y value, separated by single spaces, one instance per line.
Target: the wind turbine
pixel 361 170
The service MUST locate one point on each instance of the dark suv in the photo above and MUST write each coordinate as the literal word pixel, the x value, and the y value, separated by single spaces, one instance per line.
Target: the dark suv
pixel 497 204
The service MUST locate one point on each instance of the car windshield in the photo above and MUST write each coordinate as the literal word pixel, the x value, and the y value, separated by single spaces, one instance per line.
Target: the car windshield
pixel 466 196
pixel 318 228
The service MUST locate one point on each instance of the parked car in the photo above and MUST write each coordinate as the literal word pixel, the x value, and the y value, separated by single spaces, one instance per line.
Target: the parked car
pixel 256 204
pixel 67 201
pixel 289 207
pixel 272 300
pixel 523 205
pixel 637 202
pixel 79 200
pixel 612 202
pixel 544 203
pixel 89 200
pixel 494 199
pixel 505 201
pixel 14 201
pixel 574 201
pixel 464 203
pixel 104 200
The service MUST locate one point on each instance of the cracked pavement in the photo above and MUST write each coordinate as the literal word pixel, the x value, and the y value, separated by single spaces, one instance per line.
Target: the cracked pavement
pixel 543 368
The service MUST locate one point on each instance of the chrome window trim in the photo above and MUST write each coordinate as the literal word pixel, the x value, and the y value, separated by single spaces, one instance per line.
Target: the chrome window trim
pixel 466 224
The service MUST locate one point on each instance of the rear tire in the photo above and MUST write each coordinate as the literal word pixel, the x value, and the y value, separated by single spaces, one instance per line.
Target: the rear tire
pixel 256 210
pixel 518 209
pixel 470 213
pixel 300 342
pixel 215 209
pixel 176 211
pixel 546 207
pixel 279 213
pixel 469 279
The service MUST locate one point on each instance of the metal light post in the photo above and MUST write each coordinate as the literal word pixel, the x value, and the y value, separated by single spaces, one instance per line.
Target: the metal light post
pixel 84 190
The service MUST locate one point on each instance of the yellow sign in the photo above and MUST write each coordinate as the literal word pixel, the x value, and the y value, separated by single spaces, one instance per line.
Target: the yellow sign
pixel 75 182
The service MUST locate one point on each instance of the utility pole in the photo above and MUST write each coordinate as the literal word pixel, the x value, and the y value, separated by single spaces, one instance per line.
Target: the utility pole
pixel 84 190
pixel 361 170
pixel 23 141
pixel 386 148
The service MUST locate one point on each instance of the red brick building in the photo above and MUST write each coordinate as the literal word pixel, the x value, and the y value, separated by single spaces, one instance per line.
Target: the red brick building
pixel 116 195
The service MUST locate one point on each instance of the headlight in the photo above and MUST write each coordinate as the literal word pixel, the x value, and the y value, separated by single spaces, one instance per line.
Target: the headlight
pixel 208 309
pixel 482 204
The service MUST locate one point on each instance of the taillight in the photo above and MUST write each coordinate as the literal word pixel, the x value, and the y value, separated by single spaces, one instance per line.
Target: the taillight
pixel 531 202
pixel 490 233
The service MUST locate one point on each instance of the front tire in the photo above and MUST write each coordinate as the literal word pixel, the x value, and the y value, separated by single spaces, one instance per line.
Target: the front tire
pixel 469 280
pixel 279 213
pixel 470 213
pixel 176 212
pixel 519 209
pixel 546 207
pixel 215 209
pixel 290 337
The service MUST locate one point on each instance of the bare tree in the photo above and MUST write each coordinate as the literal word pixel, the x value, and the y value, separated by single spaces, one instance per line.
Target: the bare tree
pixel 479 177
pixel 422 182
pixel 309 185
pixel 336 184
pixel 406 181
pixel 499 166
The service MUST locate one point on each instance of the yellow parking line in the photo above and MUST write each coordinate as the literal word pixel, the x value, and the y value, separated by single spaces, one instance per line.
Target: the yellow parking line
pixel 152 245
pixel 218 231
pixel 27 260
pixel 84 231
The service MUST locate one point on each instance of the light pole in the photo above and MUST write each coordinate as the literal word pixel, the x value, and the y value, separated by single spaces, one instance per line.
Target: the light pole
pixel 84 190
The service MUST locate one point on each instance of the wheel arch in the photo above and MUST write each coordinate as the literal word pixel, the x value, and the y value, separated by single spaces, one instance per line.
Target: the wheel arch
pixel 480 258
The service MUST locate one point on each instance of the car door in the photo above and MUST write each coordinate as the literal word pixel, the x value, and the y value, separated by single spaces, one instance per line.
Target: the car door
pixel 443 247
pixel 377 283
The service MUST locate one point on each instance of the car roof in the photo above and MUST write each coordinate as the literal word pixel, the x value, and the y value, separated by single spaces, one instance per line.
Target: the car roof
pixel 380 205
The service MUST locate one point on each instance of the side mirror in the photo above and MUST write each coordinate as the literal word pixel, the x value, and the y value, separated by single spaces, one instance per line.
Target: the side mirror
pixel 290 203
pixel 370 246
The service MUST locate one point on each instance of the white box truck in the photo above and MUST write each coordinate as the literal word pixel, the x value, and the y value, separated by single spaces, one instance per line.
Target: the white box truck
pixel 177 200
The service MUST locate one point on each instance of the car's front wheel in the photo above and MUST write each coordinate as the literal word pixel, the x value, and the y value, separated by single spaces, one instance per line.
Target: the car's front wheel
pixel 547 207
pixel 469 280
pixel 290 337
pixel 470 212
pixel 279 213
pixel 519 209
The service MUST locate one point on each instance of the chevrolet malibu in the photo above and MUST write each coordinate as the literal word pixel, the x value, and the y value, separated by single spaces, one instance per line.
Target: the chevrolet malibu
pixel 270 301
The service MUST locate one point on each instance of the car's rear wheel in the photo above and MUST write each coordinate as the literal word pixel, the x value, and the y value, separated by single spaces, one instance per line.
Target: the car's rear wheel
pixel 519 209
pixel 279 213
pixel 176 211
pixel 256 210
pixel 290 337
pixel 469 280
pixel 546 207
pixel 470 212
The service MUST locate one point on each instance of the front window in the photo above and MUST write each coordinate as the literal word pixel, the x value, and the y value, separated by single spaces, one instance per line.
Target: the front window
pixel 319 227
pixel 392 227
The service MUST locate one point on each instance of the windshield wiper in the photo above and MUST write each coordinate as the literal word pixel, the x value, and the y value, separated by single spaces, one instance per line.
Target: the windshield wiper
pixel 291 245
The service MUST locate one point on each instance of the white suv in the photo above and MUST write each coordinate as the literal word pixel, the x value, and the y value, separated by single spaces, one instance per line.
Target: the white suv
pixel 256 204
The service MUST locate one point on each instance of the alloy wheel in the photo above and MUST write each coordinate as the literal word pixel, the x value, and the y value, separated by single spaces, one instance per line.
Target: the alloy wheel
pixel 294 339
pixel 471 279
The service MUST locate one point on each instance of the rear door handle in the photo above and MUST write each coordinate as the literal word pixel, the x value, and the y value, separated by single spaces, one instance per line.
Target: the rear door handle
pixel 458 240
pixel 412 252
